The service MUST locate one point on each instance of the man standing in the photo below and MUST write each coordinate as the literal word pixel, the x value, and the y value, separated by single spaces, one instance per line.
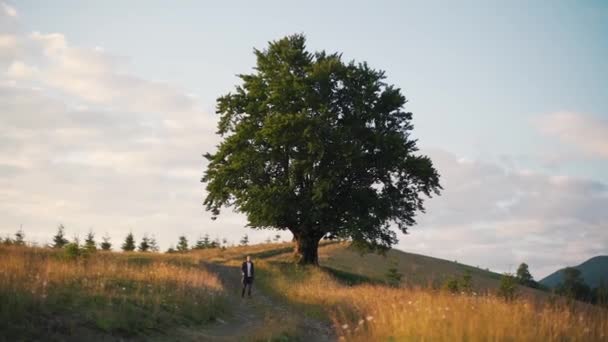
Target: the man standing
pixel 247 271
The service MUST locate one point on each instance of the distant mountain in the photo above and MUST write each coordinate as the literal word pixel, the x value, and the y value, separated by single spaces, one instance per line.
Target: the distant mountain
pixel 592 271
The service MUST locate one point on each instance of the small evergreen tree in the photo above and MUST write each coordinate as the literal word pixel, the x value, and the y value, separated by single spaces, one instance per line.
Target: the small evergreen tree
pixel 59 240
pixel 277 238
pixel 89 243
pixel 466 282
pixel 144 245
pixel 508 287
pixel 224 242
pixel 19 237
pixel 182 244
pixel 105 244
pixel 215 243
pixel 153 244
pixel 171 250
pixel 129 244
pixel 203 242
pixel 393 275
pixel 245 240
pixel 200 244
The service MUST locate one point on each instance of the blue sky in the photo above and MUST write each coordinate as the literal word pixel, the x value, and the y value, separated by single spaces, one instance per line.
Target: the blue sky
pixel 502 94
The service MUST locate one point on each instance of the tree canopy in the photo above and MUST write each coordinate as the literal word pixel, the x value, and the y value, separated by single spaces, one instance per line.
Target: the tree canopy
pixel 319 147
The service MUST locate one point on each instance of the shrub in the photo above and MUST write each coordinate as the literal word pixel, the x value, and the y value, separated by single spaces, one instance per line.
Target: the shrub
pixel 452 285
pixel 508 287
pixel 393 276
pixel 71 251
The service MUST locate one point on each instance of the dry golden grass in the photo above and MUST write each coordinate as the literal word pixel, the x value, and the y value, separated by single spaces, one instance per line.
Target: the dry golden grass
pixel 238 253
pixel 382 313
pixel 124 293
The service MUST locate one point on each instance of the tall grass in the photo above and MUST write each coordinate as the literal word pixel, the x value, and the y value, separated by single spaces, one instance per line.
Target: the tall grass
pixel 382 313
pixel 42 292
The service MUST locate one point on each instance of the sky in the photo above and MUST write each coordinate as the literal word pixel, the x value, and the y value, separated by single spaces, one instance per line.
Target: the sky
pixel 106 108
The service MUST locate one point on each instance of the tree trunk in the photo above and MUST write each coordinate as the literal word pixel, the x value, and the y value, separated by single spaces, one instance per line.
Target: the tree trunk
pixel 306 251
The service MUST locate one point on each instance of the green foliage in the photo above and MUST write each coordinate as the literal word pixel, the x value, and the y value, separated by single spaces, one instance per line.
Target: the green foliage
pixel 314 145
pixel 144 245
pixel 462 284
pixel 129 244
pixel 393 276
pixel 508 287
pixel 153 245
pixel 89 243
pixel 171 250
pixel 59 240
pixel 601 293
pixel 452 285
pixel 72 250
pixel 19 238
pixel 574 286
pixel 245 240
pixel 182 244
pixel 466 282
pixel 524 277
pixel 203 242
pixel 105 243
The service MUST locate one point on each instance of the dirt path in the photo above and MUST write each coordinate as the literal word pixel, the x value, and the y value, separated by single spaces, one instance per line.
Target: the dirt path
pixel 257 317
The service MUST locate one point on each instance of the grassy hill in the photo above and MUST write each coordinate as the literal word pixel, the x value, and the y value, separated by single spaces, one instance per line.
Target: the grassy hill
pixel 592 271
pixel 417 270
pixel 195 296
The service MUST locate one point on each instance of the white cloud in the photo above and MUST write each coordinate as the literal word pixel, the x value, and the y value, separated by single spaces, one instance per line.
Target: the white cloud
pixel 87 143
pixel 548 221
pixel 8 10
pixel 19 70
pixel 7 41
pixel 589 134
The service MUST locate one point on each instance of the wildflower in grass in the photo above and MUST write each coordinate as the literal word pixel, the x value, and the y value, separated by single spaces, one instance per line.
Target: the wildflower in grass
pixel 361 321
pixel 345 326
pixel 369 318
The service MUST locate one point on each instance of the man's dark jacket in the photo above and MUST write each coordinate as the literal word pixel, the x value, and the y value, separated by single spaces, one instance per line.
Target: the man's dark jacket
pixel 244 270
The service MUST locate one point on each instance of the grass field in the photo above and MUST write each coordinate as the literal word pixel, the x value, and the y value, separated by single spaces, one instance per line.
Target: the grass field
pixel 381 313
pixel 44 293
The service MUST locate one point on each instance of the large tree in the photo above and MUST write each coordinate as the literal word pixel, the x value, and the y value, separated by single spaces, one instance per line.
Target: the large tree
pixel 317 146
